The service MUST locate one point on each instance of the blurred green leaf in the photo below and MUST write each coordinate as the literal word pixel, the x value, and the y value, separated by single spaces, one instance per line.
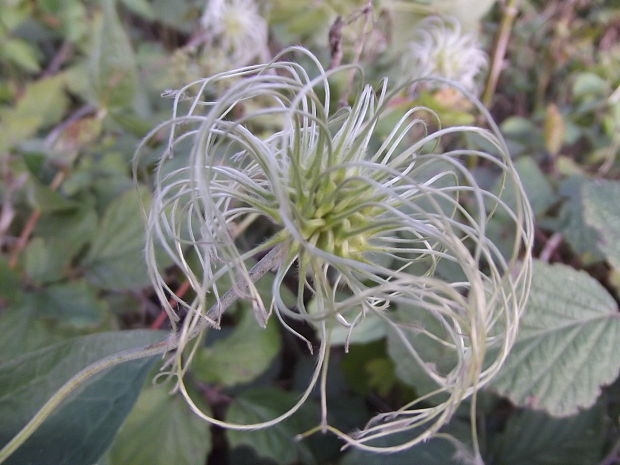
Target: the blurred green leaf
pixel 43 103
pixel 20 53
pixel 72 304
pixel 277 443
pixel 60 236
pixel 381 376
pixel 82 428
pixel 115 259
pixel 571 222
pixel 531 437
pixel 112 63
pixel 46 199
pixel 9 283
pixel 588 84
pixel 242 356
pixel 161 430
pixel 601 200
pixel 140 7
pixel 567 344
pixel 71 15
pixel 21 331
pixel 66 232
pixel 41 263
pixel 536 186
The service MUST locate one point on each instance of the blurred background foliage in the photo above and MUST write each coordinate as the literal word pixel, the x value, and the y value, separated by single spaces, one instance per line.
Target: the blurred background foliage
pixel 81 83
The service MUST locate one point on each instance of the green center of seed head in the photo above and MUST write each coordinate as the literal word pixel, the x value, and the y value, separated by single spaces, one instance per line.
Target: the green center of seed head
pixel 335 216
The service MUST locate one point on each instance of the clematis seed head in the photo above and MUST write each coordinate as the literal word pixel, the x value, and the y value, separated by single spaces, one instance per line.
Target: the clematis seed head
pixel 372 221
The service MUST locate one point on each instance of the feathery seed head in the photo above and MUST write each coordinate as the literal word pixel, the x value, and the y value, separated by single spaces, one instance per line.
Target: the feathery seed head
pixel 440 48
pixel 371 222
pixel 237 32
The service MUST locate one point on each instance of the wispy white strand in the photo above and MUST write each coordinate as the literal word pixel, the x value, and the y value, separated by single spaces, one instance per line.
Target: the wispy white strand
pixel 366 223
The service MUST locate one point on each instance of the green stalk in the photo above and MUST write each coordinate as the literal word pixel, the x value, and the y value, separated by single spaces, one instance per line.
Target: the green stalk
pixel 499 51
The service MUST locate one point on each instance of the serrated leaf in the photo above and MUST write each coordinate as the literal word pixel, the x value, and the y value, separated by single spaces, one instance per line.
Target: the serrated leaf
pixel 532 437
pixel 82 428
pixel 112 66
pixel 242 356
pixel 567 344
pixel 115 259
pixel 277 443
pixel 161 430
pixel 602 212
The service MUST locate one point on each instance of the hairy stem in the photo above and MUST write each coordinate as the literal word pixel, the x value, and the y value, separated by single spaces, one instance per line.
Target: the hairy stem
pixel 267 263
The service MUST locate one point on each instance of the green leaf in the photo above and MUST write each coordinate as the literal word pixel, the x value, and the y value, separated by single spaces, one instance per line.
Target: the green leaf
pixel 161 430
pixel 9 283
pixel 72 304
pixel 67 232
pixel 140 7
pixel 21 53
pixel 240 357
pixel 589 85
pixel 408 370
pixel 42 264
pixel 21 331
pixel 437 451
pixel 567 344
pixel 381 376
pixel 572 224
pixel 531 437
pixel 42 104
pixel 536 186
pixel 370 328
pixel 112 66
pixel 115 259
pixel 60 237
pixel 72 16
pixel 46 199
pixel 602 212
pixel 82 428
pixel 277 443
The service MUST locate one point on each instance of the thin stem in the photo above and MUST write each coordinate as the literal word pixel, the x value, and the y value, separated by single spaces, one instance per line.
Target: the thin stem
pixel 31 223
pixel 161 317
pixel 499 51
pixel 267 263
